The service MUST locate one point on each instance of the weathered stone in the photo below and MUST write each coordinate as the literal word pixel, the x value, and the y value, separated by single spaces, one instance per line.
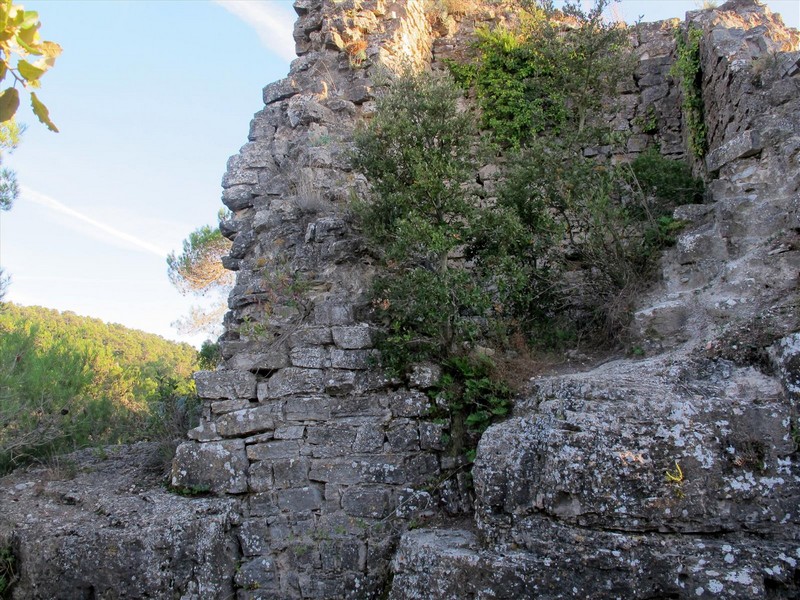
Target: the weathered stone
pixel 290 473
pixel 226 406
pixel 339 383
pixel 245 422
pixel 409 404
pixel 257 574
pixel 333 313
pixel 369 438
pixel 311 336
pixel 274 450
pixel 211 466
pixel 280 90
pixel 351 338
pixel 403 436
pixel 747 143
pixel 291 380
pixel 260 477
pixel 431 436
pixel 353 359
pixel 311 408
pixel 299 499
pixel 290 432
pixel 425 375
pixel 206 431
pixel 374 502
pixel 225 384
pixel 313 358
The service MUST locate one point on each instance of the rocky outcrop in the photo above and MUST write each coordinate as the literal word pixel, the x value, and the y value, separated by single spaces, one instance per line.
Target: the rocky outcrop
pixel 100 524
pixel 667 477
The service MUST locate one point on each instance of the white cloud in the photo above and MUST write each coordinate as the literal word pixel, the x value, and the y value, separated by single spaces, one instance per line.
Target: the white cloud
pixel 271 22
pixel 120 236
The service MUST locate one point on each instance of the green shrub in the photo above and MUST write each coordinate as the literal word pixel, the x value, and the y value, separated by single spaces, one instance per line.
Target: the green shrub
pixel 588 236
pixel 669 180
pixel 470 397
pixel 688 71
pixel 545 76
pixel 418 154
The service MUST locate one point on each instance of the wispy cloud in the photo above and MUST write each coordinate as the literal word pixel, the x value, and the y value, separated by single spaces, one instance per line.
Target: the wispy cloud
pixel 271 21
pixel 53 204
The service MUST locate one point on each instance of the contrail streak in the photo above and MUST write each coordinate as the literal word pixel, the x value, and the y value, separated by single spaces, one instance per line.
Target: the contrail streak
pixel 53 204
pixel 274 29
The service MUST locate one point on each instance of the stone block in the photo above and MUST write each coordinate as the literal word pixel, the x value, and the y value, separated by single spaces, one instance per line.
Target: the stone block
pixel 299 500
pixel 246 422
pixel 339 555
pixel 237 197
pixel 257 574
pixel 274 450
pixel 329 440
pixel 225 384
pixel 339 383
pixel 291 380
pixel 352 338
pixel 254 537
pixel 311 336
pixel 375 405
pixel 403 436
pixel 369 438
pixel 206 431
pixel 226 406
pixel 412 403
pixel 430 436
pixel 747 143
pixel 280 90
pixel 424 375
pixel 291 472
pixel 213 466
pixel 289 432
pixel 373 502
pixel 336 470
pixel 353 359
pixel 308 408
pixel 333 312
pixel 419 468
pixel 313 358
pixel 260 478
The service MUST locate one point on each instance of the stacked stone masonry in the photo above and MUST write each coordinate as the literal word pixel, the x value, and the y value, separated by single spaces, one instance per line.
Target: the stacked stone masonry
pixel 674 476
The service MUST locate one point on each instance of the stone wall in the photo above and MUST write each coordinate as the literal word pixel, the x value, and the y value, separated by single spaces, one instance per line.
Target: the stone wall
pixel 331 461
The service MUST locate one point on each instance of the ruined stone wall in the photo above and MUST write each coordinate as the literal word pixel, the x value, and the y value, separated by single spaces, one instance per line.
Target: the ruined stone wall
pixel 330 460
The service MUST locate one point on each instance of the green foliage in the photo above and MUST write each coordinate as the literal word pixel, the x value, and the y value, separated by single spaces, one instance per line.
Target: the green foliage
pixel 8 572
pixel 10 133
pixel 471 398
pixel 199 268
pixel 191 491
pixel 69 381
pixel 687 69
pixel 20 40
pixel 418 154
pixel 210 355
pixel 550 74
pixel 579 237
pixel 427 314
pixel 669 180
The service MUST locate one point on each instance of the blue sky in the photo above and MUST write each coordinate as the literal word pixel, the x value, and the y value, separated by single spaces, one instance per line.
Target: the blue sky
pixel 151 98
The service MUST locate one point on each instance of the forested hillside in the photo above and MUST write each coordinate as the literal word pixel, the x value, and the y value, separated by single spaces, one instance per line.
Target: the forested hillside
pixel 68 381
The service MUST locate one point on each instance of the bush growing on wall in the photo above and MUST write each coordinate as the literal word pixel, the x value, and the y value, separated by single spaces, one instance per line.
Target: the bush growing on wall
pixel 418 153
